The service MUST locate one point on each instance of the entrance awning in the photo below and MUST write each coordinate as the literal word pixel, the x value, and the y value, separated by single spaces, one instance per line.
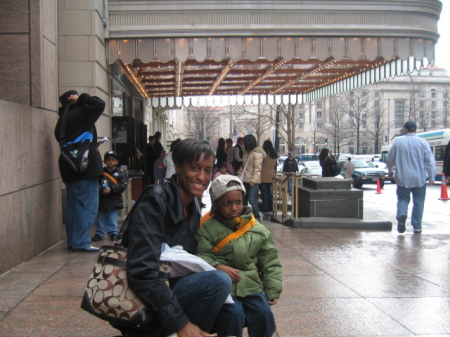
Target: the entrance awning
pixel 229 70
pixel 291 51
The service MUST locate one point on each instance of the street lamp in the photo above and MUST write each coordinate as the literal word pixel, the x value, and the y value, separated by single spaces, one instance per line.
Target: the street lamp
pixel 445 103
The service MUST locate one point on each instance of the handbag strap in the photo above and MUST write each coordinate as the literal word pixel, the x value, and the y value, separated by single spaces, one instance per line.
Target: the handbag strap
pixel 62 131
pixel 246 163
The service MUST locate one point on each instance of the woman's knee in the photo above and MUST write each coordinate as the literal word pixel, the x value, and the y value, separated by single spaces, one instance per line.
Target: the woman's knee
pixel 221 280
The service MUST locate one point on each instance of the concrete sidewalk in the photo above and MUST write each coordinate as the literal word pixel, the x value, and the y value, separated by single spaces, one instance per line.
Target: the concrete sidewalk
pixel 337 282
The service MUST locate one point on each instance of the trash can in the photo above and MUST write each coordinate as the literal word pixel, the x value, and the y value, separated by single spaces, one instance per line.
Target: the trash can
pixel 137 183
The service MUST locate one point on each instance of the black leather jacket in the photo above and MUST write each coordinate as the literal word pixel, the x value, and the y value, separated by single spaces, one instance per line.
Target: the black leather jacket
pixel 158 218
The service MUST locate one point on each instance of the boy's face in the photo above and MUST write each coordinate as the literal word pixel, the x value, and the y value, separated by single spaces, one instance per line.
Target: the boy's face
pixel 230 205
pixel 111 162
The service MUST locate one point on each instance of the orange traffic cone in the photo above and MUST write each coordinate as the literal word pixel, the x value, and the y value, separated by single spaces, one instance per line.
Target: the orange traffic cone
pixel 444 194
pixel 378 186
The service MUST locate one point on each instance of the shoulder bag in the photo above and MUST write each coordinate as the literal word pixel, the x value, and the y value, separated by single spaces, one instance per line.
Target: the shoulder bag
pixel 108 296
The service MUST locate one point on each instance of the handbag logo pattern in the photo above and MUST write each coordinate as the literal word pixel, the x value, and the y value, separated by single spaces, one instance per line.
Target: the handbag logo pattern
pixel 107 289
pixel 107 294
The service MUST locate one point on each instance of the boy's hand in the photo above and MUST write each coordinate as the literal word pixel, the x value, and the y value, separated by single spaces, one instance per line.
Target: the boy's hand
pixel 232 272
pixel 272 302
pixel 107 190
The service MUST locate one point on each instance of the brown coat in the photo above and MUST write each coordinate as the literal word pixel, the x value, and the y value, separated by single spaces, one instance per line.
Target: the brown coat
pixel 253 170
pixel 268 170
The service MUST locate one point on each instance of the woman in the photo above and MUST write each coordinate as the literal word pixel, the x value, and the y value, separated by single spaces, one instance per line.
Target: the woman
pixel 168 161
pixel 229 152
pixel 252 164
pixel 221 155
pixel 267 174
pixel 169 214
pixel 327 160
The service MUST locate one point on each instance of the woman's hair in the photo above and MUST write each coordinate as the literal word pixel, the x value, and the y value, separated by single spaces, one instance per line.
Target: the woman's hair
pixel 249 143
pixel 190 150
pixel 323 154
pixel 221 144
pixel 174 143
pixel 269 149
pixel 229 141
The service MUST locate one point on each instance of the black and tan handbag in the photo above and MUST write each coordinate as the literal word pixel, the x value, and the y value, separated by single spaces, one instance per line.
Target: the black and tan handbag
pixel 107 294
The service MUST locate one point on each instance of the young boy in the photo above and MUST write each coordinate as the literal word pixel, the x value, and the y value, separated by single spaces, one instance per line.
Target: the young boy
pixel 232 240
pixel 113 185
pixel 159 170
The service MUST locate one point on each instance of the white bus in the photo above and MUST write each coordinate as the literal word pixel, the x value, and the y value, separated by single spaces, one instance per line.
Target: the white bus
pixel 438 141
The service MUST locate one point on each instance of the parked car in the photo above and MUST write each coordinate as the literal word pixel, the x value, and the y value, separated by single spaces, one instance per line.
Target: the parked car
pixel 383 166
pixel 315 171
pixel 365 173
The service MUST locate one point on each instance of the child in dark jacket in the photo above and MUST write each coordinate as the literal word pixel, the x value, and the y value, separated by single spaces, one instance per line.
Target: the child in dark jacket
pixel 113 184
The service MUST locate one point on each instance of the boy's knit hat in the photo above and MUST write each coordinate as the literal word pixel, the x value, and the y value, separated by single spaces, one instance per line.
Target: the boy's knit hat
pixel 220 185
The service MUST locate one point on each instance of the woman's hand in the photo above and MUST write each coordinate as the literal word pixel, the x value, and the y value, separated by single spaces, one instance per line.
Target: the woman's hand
pixel 272 302
pixel 232 272
pixel 191 330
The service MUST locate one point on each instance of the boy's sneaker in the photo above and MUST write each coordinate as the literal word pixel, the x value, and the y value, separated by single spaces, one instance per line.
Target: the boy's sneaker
pixel 113 237
pixel 97 237
pixel 401 223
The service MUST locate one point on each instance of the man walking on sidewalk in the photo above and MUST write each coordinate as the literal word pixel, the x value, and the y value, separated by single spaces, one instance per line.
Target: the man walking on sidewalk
pixel 415 164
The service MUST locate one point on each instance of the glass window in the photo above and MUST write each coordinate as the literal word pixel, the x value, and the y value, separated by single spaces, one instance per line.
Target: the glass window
pixel 319 105
pixel 433 104
pixel 377 94
pixel 439 152
pixel 433 94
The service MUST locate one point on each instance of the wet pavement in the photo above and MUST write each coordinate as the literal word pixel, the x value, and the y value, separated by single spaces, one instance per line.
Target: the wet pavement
pixel 337 282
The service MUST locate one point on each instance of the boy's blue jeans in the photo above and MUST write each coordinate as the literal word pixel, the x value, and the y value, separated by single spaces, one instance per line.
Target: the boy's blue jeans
pixel 108 220
pixel 403 199
pixel 252 311
pixel 81 209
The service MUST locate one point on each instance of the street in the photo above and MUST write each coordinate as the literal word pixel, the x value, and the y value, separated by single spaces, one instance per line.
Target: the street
pixel 436 218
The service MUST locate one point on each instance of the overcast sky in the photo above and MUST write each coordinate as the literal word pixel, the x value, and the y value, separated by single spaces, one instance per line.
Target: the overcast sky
pixel 443 45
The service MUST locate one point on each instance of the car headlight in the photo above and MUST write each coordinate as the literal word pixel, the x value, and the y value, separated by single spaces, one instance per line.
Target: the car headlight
pixel 361 175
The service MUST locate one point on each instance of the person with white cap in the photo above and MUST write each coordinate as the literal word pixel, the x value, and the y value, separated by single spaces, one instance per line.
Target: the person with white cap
pixel 233 241
pixel 415 165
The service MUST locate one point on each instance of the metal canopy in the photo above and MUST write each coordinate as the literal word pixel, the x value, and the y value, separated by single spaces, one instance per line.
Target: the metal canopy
pixel 260 70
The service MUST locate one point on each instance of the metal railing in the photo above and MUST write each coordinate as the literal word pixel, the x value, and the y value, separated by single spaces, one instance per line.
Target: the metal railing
pixel 286 205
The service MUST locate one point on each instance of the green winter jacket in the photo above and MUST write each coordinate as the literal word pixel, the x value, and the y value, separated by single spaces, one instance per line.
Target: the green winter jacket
pixel 254 254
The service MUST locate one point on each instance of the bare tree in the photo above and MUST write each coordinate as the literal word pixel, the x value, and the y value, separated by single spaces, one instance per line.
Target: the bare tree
pixel 377 126
pixel 359 110
pixel 202 122
pixel 337 127
pixel 254 121
pixel 286 123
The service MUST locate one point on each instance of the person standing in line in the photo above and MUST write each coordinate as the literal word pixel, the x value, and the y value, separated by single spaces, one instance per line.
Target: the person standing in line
pixel 238 153
pixel 82 188
pixel 349 167
pixel 229 152
pixel 290 165
pixel 111 201
pixel 158 146
pixel 168 161
pixel 327 160
pixel 151 157
pixel 415 165
pixel 221 155
pixel 159 171
pixel 267 174
pixel 446 163
pixel 252 163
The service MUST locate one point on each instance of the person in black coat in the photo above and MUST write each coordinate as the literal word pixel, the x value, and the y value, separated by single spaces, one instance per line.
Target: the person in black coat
pixel 81 188
pixel 113 185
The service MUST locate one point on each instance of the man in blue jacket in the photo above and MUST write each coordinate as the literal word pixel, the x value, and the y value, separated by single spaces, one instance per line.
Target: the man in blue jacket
pixel 415 165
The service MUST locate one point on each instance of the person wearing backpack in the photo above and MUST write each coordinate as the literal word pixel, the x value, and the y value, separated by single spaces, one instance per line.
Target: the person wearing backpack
pixel 81 187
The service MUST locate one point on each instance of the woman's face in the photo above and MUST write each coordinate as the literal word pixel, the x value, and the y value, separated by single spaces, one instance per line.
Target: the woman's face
pixel 194 178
